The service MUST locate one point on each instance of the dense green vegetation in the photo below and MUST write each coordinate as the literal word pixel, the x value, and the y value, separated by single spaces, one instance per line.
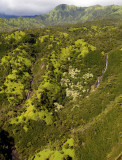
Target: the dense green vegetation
pixel 49 101
pixel 19 23
pixel 63 14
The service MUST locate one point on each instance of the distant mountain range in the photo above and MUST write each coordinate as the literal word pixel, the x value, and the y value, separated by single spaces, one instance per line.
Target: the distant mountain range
pixel 63 14
pixel 2 15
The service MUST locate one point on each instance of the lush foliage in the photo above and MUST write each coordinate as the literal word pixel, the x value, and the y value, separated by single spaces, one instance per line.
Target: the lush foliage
pixel 50 100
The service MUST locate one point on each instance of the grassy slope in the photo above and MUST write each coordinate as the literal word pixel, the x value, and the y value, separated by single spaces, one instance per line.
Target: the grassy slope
pixel 101 137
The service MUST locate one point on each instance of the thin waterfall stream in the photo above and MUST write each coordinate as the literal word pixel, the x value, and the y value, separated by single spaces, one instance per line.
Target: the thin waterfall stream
pixel 100 77
pixel 29 93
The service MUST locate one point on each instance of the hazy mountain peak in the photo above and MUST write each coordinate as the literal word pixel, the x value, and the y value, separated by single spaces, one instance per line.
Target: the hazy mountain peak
pixel 61 6
pixel 64 7
pixel 97 5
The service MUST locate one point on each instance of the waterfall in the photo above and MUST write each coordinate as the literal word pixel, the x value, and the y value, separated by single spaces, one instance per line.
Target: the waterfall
pixel 106 66
pixel 28 95
pixel 100 77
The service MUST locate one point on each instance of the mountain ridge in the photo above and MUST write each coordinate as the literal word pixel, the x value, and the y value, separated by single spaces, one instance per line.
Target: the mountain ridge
pixel 7 16
pixel 63 14
pixel 60 6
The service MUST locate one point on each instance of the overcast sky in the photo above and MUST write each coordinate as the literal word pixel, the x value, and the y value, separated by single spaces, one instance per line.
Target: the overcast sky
pixel 34 7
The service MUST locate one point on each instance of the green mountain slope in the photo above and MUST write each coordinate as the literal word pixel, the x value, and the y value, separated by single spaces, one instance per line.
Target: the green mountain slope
pixel 50 104
pixel 19 23
pixel 64 14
